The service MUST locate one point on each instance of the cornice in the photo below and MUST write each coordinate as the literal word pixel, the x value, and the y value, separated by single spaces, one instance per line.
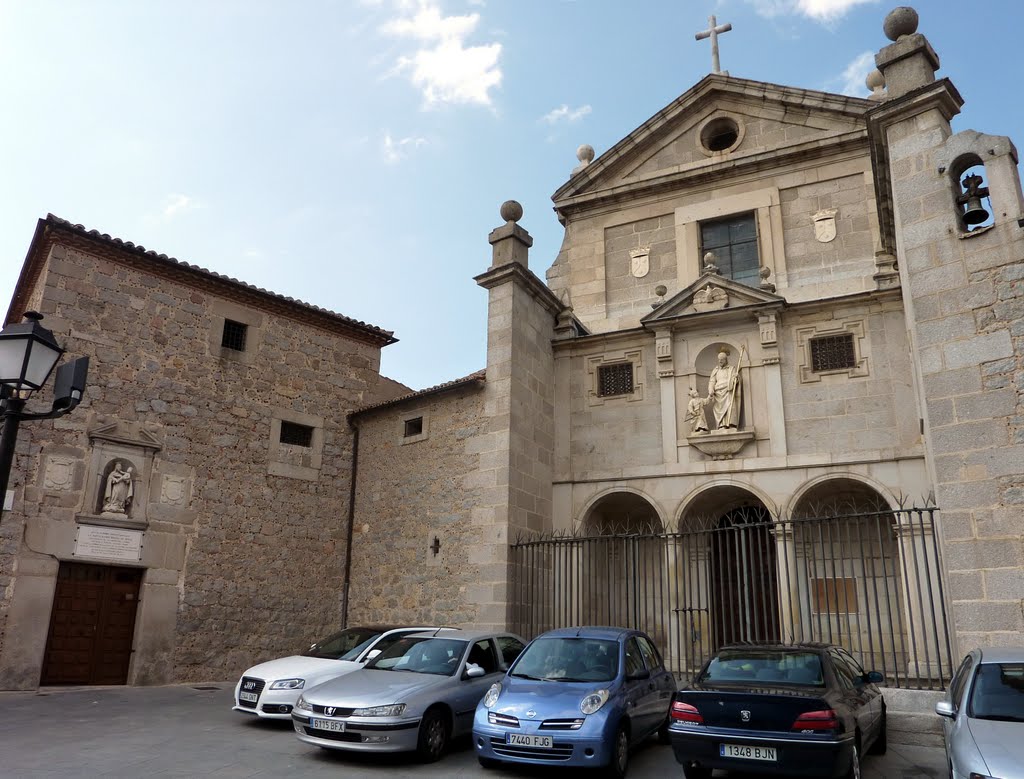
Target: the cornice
pixel 524 277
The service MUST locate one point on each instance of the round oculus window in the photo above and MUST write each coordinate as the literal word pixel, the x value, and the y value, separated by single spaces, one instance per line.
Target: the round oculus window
pixel 720 134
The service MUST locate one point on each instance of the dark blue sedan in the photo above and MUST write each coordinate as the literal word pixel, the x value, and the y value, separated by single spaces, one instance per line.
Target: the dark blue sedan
pixel 577 697
pixel 780 710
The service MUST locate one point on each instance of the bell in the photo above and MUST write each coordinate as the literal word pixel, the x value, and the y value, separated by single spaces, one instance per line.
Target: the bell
pixel 974 212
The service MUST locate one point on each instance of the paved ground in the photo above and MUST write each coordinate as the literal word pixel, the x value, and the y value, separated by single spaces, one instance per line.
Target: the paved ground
pixel 185 731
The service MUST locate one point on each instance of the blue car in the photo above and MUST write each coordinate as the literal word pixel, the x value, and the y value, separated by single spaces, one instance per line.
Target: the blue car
pixel 577 697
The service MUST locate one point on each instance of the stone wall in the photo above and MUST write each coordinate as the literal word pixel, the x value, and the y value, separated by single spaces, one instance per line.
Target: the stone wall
pixel 409 491
pixel 627 294
pixel 228 561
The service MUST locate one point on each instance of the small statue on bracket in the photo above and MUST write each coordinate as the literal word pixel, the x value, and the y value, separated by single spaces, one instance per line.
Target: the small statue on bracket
pixel 695 413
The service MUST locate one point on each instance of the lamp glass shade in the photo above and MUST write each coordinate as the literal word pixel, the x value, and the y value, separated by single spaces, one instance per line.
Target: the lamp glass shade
pixel 27 356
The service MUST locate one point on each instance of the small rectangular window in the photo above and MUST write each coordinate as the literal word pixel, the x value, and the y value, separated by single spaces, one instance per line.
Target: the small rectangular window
pixel 296 435
pixel 734 244
pixel 615 379
pixel 413 427
pixel 234 335
pixel 835 596
pixel 833 353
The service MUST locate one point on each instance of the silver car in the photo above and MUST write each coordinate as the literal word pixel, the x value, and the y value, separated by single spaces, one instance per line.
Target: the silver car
pixel 417 694
pixel 983 716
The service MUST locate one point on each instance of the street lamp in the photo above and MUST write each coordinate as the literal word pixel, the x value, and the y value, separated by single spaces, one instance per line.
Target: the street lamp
pixel 28 354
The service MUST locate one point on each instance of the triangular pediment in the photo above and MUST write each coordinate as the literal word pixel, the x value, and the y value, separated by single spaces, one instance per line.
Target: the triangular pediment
pixel 712 296
pixel 771 122
pixel 126 433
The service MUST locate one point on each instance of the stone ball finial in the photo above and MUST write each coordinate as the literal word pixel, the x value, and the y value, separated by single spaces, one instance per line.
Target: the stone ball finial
pixel 511 211
pixel 900 22
pixel 585 154
pixel 875 80
pixel 660 290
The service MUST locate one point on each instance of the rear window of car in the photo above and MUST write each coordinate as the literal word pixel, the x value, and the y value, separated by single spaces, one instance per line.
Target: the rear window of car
pixel 998 692
pixel 764 666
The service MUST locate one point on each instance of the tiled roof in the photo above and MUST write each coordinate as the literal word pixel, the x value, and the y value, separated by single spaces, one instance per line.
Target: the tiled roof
pixel 479 377
pixel 377 333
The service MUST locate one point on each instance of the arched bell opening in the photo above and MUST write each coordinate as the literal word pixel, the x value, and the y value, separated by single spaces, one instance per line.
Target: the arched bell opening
pixel 971 193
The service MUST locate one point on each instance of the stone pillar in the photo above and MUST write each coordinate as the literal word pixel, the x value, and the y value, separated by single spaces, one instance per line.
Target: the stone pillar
pixel 964 306
pixel 924 642
pixel 790 617
pixel 519 404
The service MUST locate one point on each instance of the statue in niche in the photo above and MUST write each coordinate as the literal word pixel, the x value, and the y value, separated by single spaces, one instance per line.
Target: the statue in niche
pixel 117 496
pixel 725 392
pixel 695 413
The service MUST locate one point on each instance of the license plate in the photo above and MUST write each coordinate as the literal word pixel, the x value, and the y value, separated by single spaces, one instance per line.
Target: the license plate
pixel 248 696
pixel 327 724
pixel 523 740
pixel 747 753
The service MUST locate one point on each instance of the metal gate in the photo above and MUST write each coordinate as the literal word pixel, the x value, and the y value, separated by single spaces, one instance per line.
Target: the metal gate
pixel 869 582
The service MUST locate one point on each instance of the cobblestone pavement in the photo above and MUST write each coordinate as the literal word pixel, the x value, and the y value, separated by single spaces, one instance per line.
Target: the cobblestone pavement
pixel 190 731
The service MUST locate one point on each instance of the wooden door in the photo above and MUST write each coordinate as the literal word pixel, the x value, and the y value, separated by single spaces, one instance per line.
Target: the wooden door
pixel 92 625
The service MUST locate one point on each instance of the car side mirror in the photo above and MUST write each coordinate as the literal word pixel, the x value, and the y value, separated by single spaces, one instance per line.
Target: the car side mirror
pixel 371 654
pixel 474 671
pixel 644 674
pixel 874 677
pixel 945 709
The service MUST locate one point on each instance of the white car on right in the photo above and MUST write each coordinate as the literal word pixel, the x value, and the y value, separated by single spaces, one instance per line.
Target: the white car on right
pixel 983 716
pixel 269 690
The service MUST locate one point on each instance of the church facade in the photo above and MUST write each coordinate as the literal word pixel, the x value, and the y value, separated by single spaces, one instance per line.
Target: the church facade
pixel 778 333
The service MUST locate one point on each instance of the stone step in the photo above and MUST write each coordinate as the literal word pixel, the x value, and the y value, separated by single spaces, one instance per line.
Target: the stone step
pixel 911 717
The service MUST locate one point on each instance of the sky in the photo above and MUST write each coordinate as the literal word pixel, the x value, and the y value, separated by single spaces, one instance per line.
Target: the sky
pixel 354 154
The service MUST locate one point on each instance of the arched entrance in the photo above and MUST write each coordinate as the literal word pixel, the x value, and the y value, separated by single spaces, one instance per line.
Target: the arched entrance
pixel 736 563
pixel 624 558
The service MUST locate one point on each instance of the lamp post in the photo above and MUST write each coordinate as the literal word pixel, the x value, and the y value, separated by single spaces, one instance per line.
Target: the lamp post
pixel 28 354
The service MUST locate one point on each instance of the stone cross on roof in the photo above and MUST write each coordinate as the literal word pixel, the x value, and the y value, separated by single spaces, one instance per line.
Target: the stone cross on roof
pixel 713 32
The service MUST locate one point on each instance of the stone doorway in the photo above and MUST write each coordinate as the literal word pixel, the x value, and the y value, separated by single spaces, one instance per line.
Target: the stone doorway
pixel 92 625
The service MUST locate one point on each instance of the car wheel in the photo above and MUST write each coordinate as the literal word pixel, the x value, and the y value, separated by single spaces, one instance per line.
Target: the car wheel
pixel 488 763
pixel 433 739
pixel 619 763
pixel 881 740
pixel 854 772
pixel 663 736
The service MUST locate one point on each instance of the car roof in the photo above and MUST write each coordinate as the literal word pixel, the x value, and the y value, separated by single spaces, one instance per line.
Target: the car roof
pixel 593 631
pixel 1002 654
pixel 803 646
pixel 463 635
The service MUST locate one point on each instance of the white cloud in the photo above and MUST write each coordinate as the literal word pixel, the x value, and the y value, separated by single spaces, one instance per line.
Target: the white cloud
pixel 444 67
pixel 396 151
pixel 819 10
pixel 178 204
pixel 852 80
pixel 565 114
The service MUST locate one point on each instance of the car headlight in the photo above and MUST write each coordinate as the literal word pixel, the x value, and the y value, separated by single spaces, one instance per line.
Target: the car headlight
pixel 302 704
pixel 594 701
pixel 392 710
pixel 288 684
pixel 491 696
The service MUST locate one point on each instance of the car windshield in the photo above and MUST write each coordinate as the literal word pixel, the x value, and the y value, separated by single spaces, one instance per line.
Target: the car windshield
pixel 998 692
pixel 764 666
pixel 439 656
pixel 344 645
pixel 569 659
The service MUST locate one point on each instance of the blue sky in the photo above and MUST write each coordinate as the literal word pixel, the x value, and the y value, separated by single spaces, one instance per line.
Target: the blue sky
pixel 354 154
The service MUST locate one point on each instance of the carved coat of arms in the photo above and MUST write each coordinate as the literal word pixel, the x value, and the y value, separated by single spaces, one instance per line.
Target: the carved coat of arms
pixel 825 225
pixel 639 261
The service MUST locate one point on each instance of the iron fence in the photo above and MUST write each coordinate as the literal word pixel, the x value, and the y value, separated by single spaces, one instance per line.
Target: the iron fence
pixel 870 582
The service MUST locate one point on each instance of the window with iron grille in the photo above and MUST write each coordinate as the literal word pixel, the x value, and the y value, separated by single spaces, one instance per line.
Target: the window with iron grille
pixel 734 243
pixel 413 427
pixel 833 353
pixel 615 379
pixel 234 335
pixel 296 434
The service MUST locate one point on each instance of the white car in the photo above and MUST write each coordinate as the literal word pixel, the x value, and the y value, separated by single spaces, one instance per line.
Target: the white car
pixel 270 689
